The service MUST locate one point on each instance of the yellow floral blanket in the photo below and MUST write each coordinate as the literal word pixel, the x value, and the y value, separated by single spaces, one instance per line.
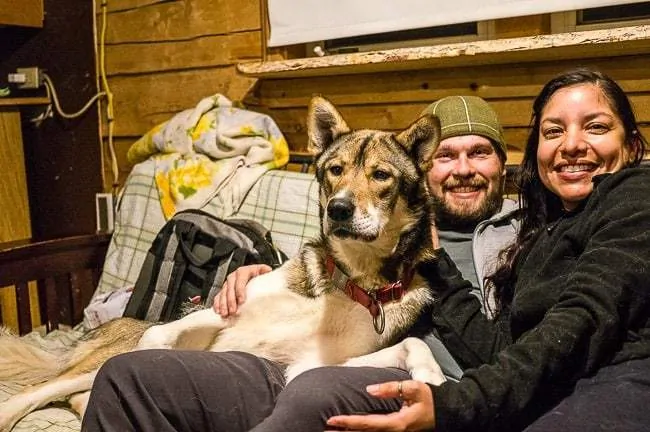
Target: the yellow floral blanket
pixel 213 150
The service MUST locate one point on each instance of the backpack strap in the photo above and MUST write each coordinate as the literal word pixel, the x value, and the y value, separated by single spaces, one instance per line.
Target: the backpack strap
pixel 236 259
pixel 164 282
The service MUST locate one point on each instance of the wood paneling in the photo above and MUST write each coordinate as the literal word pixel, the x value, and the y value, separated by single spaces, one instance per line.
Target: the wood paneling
pixel 392 100
pixel 27 13
pixel 165 56
pixel 143 101
pixel 201 52
pixel 180 20
pixel 15 222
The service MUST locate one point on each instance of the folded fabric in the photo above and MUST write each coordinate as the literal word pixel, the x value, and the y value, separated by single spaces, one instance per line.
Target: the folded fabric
pixel 212 149
pixel 106 307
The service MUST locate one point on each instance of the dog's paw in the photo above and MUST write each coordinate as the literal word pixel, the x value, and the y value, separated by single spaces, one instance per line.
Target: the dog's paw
pixel 420 363
pixel 428 374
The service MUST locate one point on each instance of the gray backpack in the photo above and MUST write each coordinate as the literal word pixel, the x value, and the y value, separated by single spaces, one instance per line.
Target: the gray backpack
pixel 189 260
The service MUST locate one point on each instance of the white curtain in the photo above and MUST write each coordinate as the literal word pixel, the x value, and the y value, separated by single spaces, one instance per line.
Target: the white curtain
pixel 299 21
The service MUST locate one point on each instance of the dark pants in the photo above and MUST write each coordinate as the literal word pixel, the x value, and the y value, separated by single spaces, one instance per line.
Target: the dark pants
pixel 616 399
pixel 163 391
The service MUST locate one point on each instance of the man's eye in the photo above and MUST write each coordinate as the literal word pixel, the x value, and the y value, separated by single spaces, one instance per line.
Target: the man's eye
pixel 443 156
pixel 480 152
pixel 380 175
pixel 336 170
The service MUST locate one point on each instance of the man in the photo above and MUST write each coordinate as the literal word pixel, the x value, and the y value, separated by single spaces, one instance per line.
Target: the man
pixel 239 392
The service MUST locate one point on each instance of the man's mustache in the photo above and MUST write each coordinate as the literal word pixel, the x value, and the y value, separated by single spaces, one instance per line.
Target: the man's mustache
pixel 473 183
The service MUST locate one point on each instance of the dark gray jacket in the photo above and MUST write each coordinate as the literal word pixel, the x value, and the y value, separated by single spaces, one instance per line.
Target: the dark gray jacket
pixel 581 302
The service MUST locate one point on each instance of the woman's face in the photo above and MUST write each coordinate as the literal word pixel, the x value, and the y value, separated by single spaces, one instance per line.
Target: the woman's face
pixel 579 137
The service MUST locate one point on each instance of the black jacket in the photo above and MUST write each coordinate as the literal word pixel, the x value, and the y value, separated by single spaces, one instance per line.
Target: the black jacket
pixel 581 301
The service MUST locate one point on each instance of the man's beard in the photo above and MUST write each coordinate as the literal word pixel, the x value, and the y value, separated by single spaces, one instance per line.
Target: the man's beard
pixel 466 217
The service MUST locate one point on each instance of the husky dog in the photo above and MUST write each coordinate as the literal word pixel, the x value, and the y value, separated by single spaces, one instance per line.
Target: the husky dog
pixel 344 299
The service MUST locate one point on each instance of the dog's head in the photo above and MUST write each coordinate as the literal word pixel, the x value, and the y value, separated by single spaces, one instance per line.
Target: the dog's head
pixel 372 182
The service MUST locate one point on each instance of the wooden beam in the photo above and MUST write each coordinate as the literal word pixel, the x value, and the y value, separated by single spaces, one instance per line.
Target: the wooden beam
pixel 563 46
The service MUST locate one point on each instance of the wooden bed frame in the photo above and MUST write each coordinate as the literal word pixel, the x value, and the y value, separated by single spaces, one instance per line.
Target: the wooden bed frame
pixel 66 272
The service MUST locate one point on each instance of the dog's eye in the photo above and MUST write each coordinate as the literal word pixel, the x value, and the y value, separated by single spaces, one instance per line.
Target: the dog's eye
pixel 336 170
pixel 381 175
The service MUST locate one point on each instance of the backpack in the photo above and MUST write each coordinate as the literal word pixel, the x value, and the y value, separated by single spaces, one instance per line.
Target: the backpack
pixel 190 259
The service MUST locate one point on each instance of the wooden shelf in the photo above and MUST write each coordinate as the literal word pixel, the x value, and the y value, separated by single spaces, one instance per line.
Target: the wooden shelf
pixel 23 101
pixel 622 41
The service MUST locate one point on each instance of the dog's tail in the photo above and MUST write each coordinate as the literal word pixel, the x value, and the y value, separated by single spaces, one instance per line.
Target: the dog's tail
pixel 24 363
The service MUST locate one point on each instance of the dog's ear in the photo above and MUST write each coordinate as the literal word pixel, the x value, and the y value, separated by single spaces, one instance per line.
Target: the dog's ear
pixel 324 125
pixel 421 140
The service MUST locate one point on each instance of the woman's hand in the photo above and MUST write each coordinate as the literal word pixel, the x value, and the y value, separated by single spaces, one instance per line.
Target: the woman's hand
pixel 417 411
pixel 233 292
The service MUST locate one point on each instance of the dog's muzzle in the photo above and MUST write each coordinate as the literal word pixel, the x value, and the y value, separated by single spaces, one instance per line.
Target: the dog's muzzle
pixel 340 210
pixel 340 213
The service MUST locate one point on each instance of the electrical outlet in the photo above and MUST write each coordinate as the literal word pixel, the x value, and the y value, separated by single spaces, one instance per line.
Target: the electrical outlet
pixel 104 211
pixel 32 78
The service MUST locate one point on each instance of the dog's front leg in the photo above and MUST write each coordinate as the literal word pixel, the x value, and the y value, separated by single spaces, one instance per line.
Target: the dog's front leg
pixel 412 355
pixel 31 398
pixel 194 331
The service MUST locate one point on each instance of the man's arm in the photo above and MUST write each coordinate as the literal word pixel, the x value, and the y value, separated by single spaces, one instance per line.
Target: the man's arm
pixel 457 318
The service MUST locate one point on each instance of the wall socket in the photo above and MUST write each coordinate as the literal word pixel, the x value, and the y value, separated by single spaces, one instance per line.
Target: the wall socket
pixel 27 78
pixel 105 212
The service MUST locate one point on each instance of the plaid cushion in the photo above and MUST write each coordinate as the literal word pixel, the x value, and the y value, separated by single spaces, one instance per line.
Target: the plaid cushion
pixel 283 201
pixel 287 204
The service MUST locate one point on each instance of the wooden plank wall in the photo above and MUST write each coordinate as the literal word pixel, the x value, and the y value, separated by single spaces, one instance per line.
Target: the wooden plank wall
pixel 393 100
pixel 163 56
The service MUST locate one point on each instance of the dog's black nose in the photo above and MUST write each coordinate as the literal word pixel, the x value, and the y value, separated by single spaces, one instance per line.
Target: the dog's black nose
pixel 340 209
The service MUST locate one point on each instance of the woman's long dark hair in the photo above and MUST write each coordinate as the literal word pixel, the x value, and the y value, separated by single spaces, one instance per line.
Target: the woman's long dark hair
pixel 538 205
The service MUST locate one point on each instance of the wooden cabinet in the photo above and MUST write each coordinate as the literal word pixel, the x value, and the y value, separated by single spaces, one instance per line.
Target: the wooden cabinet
pixel 14 204
pixel 26 13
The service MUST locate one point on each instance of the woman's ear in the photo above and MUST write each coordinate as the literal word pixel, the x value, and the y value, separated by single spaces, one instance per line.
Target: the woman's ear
pixel 636 144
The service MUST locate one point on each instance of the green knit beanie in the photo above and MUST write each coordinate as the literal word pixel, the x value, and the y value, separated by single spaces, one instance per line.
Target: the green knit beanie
pixel 468 115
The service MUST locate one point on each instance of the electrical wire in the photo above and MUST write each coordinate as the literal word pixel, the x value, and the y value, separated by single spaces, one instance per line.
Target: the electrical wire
pixel 102 83
pixel 52 95
pixel 98 85
pixel 109 98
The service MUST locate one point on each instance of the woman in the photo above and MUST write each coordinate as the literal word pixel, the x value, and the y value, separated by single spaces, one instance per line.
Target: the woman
pixel 570 349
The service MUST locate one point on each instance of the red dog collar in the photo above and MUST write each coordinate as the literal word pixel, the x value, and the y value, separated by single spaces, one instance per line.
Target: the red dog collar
pixel 371 300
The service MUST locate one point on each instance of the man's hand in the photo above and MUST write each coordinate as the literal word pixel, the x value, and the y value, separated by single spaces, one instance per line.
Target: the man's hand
pixel 417 411
pixel 233 292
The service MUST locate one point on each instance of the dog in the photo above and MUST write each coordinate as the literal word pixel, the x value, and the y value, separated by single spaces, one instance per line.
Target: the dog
pixel 346 298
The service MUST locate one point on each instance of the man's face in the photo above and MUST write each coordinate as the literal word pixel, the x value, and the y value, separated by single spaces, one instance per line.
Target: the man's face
pixel 466 181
